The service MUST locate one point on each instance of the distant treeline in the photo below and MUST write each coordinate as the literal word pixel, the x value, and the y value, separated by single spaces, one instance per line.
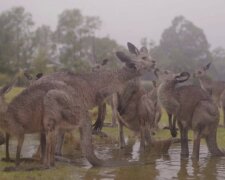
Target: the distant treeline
pixel 73 45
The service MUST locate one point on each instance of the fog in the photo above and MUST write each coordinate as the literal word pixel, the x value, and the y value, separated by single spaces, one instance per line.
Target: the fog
pixel 129 20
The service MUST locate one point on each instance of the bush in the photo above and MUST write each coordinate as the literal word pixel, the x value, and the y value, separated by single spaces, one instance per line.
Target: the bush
pixel 4 79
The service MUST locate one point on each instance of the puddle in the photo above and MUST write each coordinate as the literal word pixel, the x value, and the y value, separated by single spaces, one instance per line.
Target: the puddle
pixel 151 165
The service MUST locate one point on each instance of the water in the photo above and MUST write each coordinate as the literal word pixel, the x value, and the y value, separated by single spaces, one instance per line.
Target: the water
pixel 151 165
pixel 167 166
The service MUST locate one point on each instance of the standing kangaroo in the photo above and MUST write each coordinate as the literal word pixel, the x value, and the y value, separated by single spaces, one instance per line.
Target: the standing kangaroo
pixel 134 107
pixel 154 98
pixel 136 111
pixel 198 113
pixel 172 115
pixel 3 106
pixel 62 100
pixel 214 88
pixel 60 138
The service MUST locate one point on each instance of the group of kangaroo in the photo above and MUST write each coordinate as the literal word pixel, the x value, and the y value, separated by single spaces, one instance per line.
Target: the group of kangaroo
pixel 55 103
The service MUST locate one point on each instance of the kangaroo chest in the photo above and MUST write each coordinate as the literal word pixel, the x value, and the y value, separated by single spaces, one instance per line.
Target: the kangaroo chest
pixel 167 98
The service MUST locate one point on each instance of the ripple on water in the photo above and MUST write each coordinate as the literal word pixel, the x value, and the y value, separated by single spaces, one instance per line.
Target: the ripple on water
pixel 169 166
pixel 151 166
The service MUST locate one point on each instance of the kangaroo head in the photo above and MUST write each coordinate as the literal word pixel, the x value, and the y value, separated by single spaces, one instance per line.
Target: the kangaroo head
pixel 4 90
pixel 200 72
pixel 28 75
pixel 168 76
pixel 39 75
pixel 30 78
pixel 139 60
pixel 100 66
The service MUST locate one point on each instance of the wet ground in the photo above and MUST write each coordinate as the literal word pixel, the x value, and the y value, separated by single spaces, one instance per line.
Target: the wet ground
pixel 152 165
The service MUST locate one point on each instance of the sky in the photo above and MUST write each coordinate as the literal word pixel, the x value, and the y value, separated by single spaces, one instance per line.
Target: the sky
pixel 131 20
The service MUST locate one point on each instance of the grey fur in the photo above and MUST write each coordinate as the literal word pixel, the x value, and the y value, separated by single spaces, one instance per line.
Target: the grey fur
pixel 214 88
pixel 62 100
pixel 198 113
pixel 136 107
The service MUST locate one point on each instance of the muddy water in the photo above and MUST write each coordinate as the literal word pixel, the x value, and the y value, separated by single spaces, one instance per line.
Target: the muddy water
pixel 151 165
pixel 155 166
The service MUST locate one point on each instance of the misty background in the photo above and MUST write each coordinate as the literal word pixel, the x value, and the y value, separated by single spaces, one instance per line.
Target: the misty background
pixel 44 36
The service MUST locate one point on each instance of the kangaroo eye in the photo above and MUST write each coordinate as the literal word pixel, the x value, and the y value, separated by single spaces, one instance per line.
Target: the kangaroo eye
pixel 144 58
pixel 166 72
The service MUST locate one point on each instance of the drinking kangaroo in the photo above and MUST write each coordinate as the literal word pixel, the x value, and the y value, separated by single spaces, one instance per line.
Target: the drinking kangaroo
pixel 214 88
pixel 62 100
pixel 199 113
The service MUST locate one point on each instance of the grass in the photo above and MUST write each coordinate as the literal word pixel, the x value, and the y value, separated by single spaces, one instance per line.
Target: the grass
pixel 65 171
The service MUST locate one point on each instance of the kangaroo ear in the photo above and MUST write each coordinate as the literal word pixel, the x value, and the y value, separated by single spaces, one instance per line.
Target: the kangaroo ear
pixel 124 58
pixel 28 76
pixel 144 50
pixel 104 62
pixel 206 67
pixel 156 73
pixel 184 76
pixel 132 49
pixel 7 87
pixel 39 75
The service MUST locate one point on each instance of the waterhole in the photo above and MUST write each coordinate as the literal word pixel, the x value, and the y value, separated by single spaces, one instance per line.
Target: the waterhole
pixel 151 165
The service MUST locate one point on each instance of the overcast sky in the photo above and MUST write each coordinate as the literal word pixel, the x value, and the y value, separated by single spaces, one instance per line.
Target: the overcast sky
pixel 131 20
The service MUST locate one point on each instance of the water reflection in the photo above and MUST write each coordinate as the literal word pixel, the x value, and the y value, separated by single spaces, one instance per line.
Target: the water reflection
pixel 160 166
pixel 151 165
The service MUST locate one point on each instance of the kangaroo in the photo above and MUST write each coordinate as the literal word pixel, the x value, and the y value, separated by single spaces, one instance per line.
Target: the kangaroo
pixel 170 110
pixel 101 114
pixel 60 138
pixel 135 108
pixel 112 101
pixel 3 106
pixel 154 98
pixel 214 88
pixel 62 100
pixel 3 109
pixel 199 113
pixel 30 78
pixel 136 111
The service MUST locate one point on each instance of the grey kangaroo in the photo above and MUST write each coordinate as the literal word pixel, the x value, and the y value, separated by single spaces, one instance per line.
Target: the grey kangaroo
pixel 214 88
pixel 170 110
pixel 62 100
pixel 134 107
pixel 4 106
pixel 199 113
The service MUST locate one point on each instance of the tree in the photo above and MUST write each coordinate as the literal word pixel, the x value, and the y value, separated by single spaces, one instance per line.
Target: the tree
pixel 45 53
pixel 218 55
pixel 182 46
pixel 15 40
pixel 105 48
pixel 72 31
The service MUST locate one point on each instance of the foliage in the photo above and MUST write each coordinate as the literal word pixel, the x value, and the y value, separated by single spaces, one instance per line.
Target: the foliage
pixel 218 55
pixel 44 55
pixel 182 46
pixel 72 32
pixel 72 45
pixel 15 40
